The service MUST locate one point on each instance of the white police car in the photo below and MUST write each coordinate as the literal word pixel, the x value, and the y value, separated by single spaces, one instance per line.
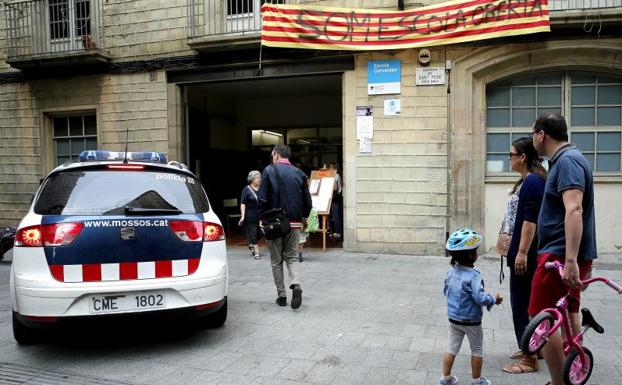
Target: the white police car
pixel 116 234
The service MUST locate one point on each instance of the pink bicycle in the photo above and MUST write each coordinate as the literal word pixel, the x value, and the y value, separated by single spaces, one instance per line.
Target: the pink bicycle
pixel 579 360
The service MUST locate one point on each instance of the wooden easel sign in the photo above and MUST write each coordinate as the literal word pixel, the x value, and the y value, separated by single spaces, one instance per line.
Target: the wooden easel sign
pixel 321 187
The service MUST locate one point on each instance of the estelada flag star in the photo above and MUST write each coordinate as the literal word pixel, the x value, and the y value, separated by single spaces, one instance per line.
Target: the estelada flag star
pixel 458 21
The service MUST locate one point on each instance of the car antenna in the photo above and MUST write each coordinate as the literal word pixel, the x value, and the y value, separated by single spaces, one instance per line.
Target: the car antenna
pixel 127 130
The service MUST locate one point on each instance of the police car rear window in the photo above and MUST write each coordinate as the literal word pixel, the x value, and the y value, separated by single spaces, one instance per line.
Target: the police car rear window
pixel 103 192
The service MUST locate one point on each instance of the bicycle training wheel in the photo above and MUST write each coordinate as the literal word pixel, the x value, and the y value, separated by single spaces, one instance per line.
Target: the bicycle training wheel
pixel 536 333
pixel 575 371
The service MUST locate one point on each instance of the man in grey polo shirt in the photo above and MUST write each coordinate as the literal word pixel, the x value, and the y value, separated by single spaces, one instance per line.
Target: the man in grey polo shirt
pixel 566 229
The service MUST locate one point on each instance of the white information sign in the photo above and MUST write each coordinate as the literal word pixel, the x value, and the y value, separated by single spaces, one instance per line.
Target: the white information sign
pixel 364 122
pixel 322 200
pixel 392 107
pixel 365 145
pixel 430 76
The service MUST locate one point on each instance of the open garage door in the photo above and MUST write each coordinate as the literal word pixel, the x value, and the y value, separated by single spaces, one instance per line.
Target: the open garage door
pixel 233 125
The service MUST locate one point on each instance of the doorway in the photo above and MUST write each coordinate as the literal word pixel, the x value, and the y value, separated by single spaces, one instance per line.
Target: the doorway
pixel 233 125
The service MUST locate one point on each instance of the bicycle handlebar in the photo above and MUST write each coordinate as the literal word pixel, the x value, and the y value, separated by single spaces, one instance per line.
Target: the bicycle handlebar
pixel 560 268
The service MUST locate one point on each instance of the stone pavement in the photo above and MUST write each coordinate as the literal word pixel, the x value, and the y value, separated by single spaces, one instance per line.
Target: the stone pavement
pixel 365 319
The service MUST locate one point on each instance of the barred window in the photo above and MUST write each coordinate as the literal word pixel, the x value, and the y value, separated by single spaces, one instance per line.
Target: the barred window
pixel 69 18
pixel 72 135
pixel 591 103
pixel 240 7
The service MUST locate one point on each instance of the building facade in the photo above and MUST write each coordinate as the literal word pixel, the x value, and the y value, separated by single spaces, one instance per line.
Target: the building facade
pixel 189 78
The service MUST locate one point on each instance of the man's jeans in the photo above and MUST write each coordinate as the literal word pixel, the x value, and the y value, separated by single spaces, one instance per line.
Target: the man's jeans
pixel 285 249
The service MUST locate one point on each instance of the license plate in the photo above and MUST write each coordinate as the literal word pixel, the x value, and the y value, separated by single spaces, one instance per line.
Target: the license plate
pixel 126 302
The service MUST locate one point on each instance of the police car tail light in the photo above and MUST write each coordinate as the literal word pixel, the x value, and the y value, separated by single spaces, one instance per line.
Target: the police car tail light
pixel 213 232
pixel 190 231
pixel 29 237
pixel 60 234
pixel 57 234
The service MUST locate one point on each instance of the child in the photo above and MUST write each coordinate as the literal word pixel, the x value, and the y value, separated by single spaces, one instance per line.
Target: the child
pixel 464 289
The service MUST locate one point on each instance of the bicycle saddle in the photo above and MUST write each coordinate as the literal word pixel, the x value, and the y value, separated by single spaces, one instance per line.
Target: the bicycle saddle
pixel 588 320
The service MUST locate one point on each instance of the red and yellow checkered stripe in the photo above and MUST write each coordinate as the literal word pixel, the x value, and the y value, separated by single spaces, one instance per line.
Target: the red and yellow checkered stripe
pixel 458 21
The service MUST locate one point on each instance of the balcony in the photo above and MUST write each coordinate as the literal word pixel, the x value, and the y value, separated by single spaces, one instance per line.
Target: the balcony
pixel 46 33
pixel 225 24
pixel 582 12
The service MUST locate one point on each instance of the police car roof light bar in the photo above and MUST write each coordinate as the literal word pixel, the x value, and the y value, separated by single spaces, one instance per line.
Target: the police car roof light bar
pixel 102 155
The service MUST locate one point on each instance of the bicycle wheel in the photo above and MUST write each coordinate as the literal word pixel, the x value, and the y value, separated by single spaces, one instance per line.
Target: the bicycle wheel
pixel 575 371
pixel 536 333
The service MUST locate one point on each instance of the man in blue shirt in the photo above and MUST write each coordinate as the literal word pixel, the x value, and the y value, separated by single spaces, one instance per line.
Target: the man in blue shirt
pixel 566 229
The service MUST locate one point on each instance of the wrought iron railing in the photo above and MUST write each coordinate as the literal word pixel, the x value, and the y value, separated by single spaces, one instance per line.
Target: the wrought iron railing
pixel 225 17
pixel 52 28
pixel 211 18
pixel 583 5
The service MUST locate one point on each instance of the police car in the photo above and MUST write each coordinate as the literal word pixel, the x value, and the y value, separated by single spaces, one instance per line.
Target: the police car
pixel 117 233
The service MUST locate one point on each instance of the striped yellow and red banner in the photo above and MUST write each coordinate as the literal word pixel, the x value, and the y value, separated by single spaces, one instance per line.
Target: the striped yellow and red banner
pixel 458 21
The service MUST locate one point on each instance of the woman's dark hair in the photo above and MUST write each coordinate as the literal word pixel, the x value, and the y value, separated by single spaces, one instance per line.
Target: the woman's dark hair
pixel 532 159
pixel 463 257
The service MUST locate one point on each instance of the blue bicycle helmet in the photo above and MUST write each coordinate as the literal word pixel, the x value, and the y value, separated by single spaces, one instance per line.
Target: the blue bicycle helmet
pixel 464 239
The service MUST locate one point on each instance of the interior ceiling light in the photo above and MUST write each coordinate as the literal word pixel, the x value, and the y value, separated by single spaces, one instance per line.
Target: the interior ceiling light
pixel 271 133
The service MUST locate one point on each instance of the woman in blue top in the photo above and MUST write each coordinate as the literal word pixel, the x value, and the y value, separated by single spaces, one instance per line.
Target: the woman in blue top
pixel 522 253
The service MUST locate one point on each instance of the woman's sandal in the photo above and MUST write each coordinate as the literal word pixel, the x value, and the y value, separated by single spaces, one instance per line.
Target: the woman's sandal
pixel 519 354
pixel 524 365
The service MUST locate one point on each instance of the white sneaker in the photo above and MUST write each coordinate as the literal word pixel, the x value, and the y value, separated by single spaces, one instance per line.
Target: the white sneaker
pixel 453 380
pixel 481 381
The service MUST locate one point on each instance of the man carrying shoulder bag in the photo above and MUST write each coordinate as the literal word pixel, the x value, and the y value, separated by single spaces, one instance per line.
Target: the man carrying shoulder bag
pixel 284 205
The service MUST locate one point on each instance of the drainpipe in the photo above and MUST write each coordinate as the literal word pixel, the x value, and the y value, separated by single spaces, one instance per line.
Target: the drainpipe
pixel 449 144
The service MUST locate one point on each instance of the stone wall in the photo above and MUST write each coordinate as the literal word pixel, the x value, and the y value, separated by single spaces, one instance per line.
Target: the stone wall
pixel 122 102
pixel 400 198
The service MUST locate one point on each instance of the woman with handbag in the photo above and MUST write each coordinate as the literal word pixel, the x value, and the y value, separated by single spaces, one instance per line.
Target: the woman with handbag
pixel 525 201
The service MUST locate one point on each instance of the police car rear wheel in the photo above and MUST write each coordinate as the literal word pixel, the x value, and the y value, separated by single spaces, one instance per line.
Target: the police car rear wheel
pixel 22 334
pixel 214 320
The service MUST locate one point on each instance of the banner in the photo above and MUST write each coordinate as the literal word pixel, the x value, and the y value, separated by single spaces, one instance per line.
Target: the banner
pixel 458 21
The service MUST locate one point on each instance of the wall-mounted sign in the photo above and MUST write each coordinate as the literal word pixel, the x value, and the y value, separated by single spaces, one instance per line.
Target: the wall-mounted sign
pixel 424 57
pixel 364 122
pixel 383 77
pixel 430 76
pixel 365 146
pixel 392 107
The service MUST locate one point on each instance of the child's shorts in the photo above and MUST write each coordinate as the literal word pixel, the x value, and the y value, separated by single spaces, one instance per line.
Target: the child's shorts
pixel 473 332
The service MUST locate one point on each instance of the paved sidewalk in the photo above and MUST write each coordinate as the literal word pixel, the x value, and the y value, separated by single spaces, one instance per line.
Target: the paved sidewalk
pixel 365 319
pixel 380 319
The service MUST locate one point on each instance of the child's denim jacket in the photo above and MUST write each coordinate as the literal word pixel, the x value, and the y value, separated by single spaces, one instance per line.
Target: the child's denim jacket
pixel 464 289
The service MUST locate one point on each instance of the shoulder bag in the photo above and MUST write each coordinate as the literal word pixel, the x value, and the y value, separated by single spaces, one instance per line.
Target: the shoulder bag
pixel 275 221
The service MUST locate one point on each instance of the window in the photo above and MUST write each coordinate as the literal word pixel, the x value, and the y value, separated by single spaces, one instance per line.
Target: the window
pixel 100 192
pixel 72 135
pixel 241 7
pixel 596 118
pixel 592 105
pixel 69 19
